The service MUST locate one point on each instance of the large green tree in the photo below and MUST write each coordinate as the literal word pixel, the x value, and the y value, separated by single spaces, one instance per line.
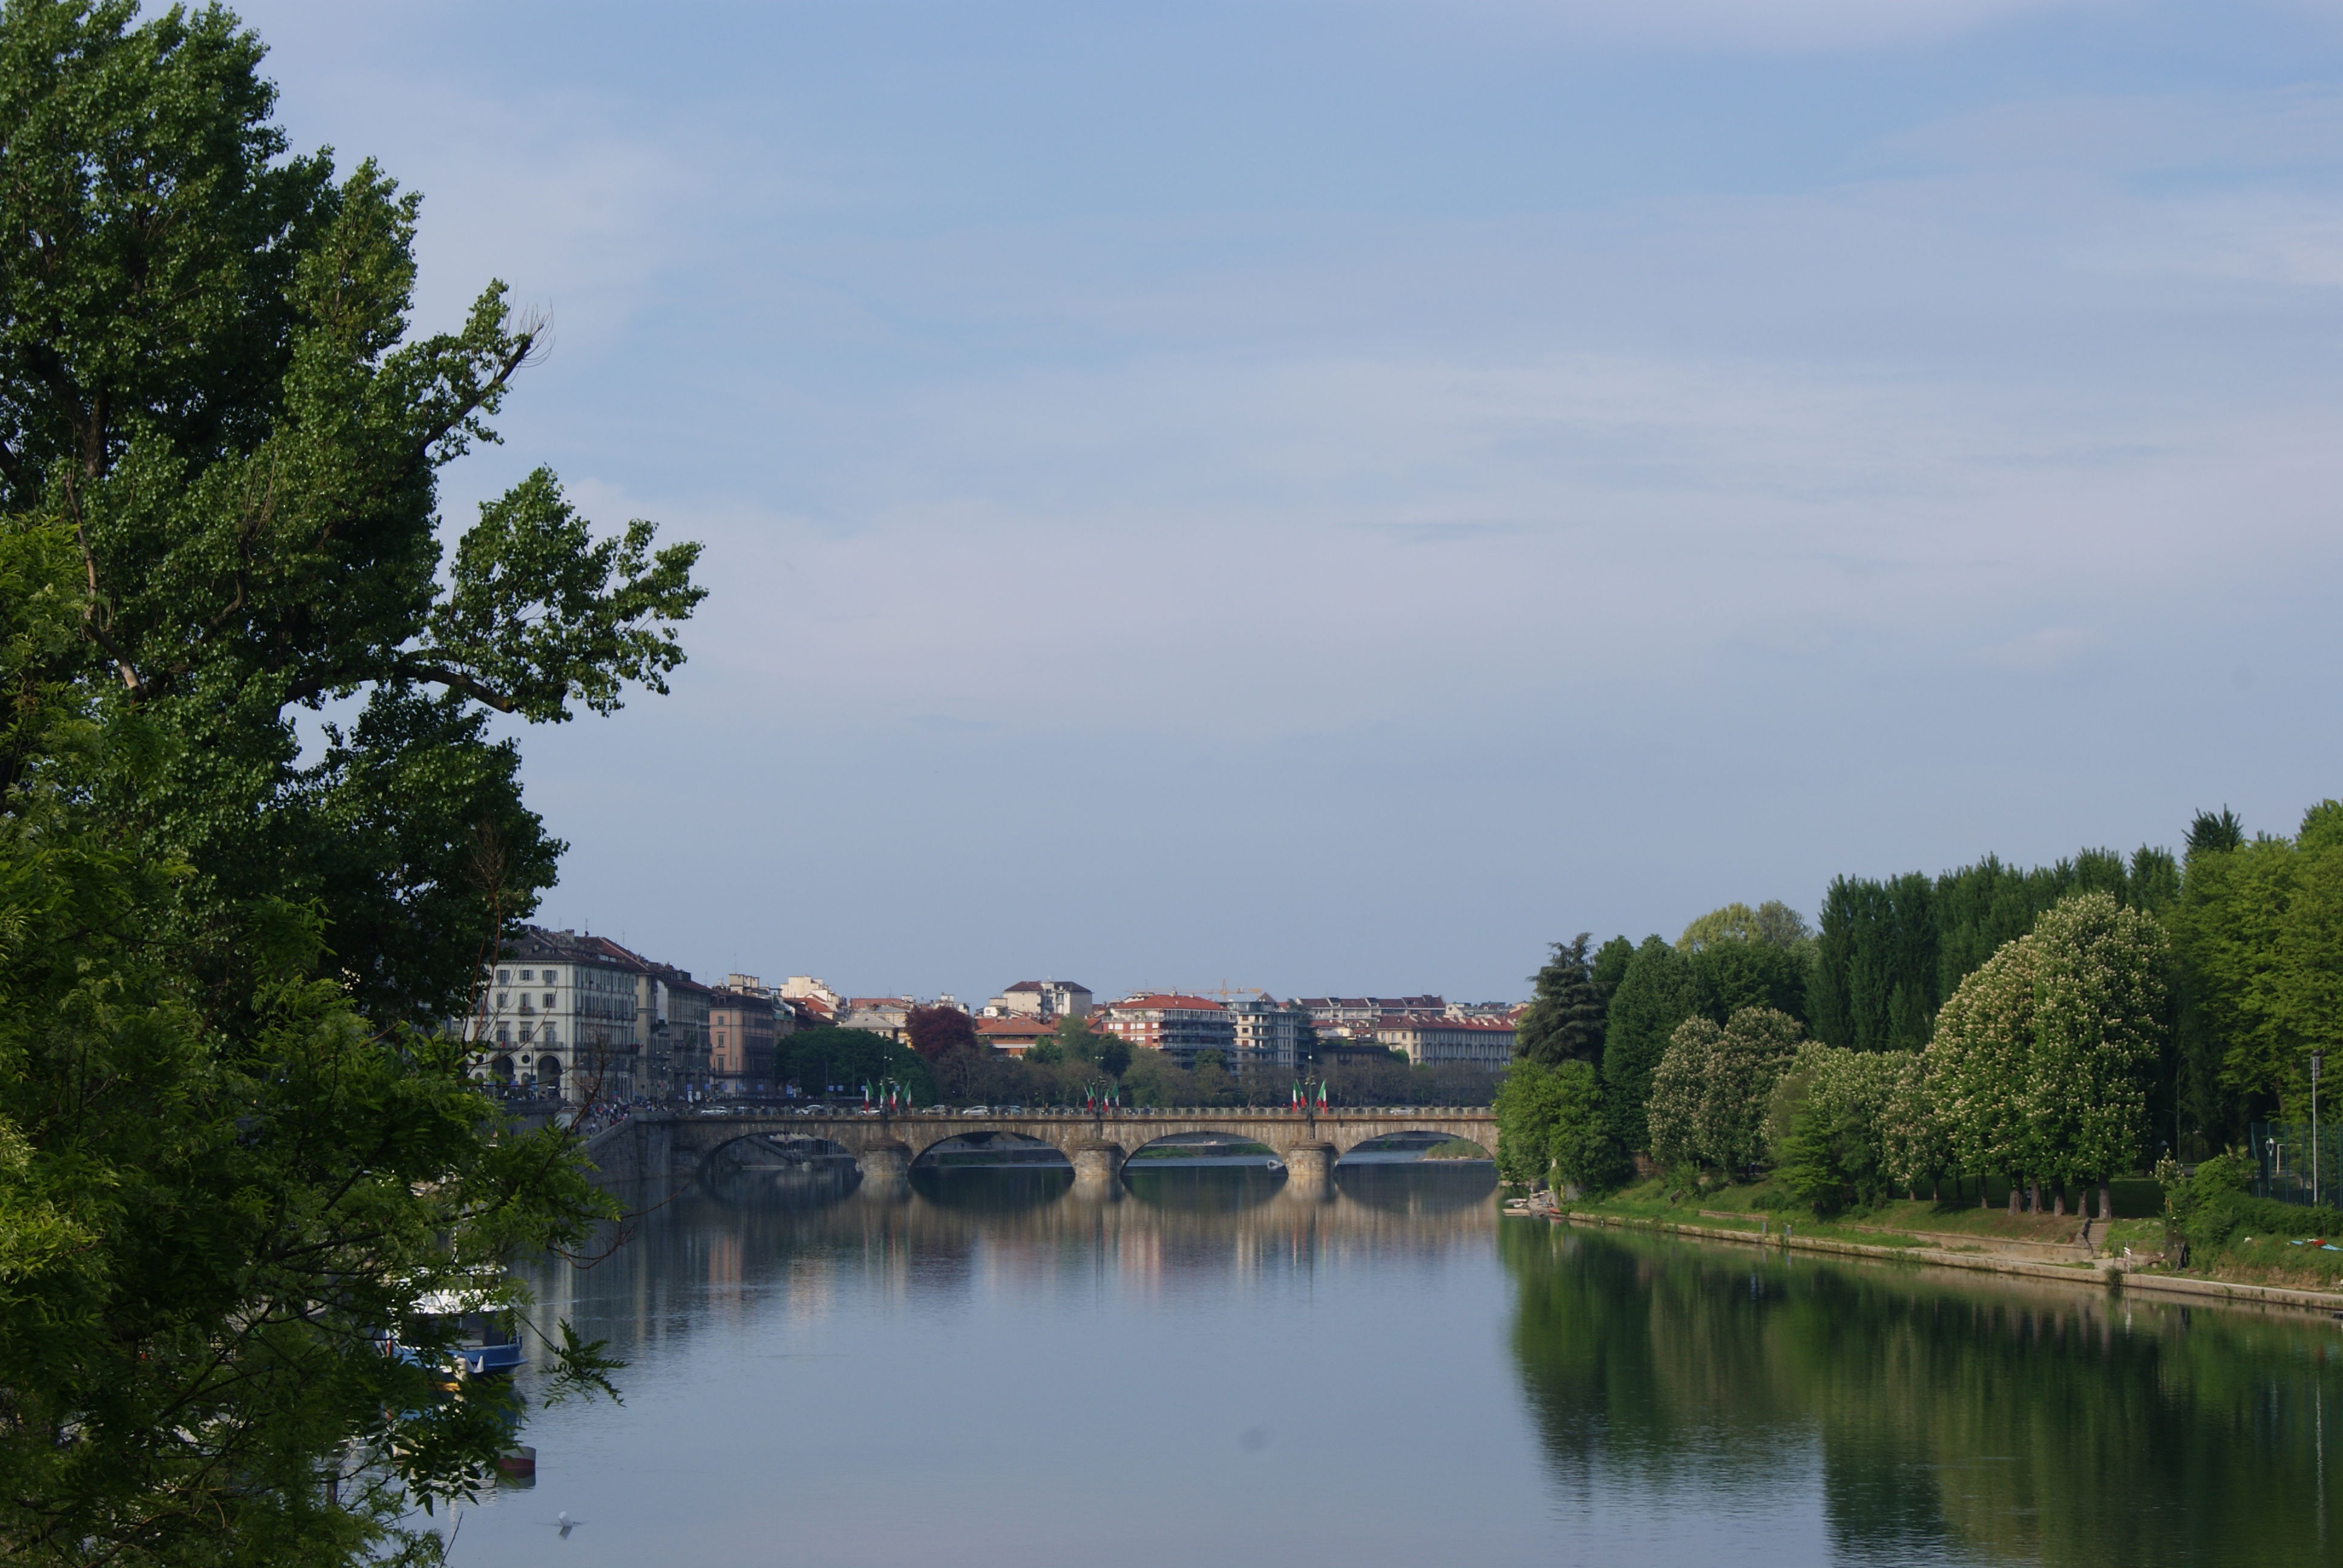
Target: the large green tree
pixel 1710 1094
pixel 1564 1021
pixel 1977 1068
pixel 2258 933
pixel 233 1151
pixel 2099 1023
pixel 1891 952
pixel 1656 993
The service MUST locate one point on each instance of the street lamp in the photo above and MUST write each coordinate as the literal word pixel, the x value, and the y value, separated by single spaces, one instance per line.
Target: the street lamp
pixel 2317 1061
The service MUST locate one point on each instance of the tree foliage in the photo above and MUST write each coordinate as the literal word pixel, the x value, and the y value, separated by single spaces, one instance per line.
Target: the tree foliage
pixel 1656 993
pixel 1772 922
pixel 1829 1124
pixel 233 1152
pixel 2259 935
pixel 1710 1093
pixel 2038 1066
pixel 938 1032
pixel 826 1057
pixel 1890 953
pixel 1550 1119
pixel 1564 1021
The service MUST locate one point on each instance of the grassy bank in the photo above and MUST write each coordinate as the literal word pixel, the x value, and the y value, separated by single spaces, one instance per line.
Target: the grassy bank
pixel 2262 1249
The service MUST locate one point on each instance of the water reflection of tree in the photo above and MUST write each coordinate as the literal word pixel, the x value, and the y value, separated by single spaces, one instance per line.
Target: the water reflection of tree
pixel 1991 1418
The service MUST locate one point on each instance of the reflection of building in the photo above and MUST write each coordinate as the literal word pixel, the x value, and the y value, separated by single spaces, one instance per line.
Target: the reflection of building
pixel 1179 1026
pixel 1041 998
pixel 1440 1042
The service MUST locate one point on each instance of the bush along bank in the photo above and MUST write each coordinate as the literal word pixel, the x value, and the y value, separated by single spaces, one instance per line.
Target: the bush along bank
pixel 2202 1228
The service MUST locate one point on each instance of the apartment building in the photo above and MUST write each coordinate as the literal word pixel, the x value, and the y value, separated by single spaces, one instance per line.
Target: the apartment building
pixel 884 1015
pixel 1015 1034
pixel 1047 998
pixel 1179 1026
pixel 1437 1041
pixel 590 1019
pixel 747 1021
pixel 1272 1036
pixel 558 1012
pixel 1355 1017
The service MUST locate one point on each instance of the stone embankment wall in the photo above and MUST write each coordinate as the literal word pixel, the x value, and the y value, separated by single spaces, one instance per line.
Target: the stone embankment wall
pixel 2103 1274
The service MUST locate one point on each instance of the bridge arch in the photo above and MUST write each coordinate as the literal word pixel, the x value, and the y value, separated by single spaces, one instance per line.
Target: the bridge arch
pixel 1245 1147
pixel 1402 1140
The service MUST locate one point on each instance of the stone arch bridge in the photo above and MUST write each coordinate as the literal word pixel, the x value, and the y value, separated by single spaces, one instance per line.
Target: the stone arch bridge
pixel 1096 1145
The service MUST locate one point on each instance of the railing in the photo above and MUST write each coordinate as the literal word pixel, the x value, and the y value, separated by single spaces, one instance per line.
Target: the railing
pixel 2282 1154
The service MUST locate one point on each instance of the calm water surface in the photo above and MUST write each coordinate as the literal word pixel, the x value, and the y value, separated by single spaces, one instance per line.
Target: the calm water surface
pixel 993 1367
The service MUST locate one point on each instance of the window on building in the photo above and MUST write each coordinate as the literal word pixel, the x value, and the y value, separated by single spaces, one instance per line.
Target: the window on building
pixel 504 1034
pixel 504 977
pixel 524 1034
pixel 548 1035
pixel 553 977
pixel 504 1000
pixel 526 976
pixel 549 998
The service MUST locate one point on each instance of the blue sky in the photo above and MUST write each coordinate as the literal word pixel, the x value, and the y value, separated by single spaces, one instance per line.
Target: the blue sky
pixel 1336 496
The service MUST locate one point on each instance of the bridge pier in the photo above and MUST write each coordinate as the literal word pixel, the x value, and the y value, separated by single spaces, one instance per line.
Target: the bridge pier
pixel 1310 1167
pixel 1096 1162
pixel 885 1162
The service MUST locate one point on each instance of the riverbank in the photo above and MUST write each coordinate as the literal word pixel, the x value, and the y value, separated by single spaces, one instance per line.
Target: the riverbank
pixel 2114 1255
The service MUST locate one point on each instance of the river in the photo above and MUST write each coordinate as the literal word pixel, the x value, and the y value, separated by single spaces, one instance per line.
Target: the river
pixel 993 1367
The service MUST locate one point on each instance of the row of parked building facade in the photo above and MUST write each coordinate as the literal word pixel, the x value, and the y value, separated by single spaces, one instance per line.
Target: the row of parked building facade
pixel 590 1020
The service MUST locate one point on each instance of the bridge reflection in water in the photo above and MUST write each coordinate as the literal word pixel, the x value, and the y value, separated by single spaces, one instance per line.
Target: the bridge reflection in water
pixel 711 1250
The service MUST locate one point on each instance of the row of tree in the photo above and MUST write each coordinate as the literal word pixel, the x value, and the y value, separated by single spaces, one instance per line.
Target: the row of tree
pixel 2036 1073
pixel 2249 974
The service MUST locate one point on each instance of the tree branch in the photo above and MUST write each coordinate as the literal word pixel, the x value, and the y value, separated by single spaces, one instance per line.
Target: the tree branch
pixel 455 680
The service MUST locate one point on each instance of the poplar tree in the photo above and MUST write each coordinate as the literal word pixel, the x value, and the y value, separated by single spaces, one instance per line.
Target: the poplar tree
pixel 1656 993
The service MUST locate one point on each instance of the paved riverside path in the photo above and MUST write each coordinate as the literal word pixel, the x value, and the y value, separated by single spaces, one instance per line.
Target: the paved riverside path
pixel 661 1142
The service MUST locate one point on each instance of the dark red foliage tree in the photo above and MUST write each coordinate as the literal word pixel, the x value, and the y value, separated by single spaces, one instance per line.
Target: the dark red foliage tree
pixel 938 1032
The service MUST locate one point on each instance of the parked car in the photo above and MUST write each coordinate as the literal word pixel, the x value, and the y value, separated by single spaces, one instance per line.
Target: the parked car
pixel 978 1111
